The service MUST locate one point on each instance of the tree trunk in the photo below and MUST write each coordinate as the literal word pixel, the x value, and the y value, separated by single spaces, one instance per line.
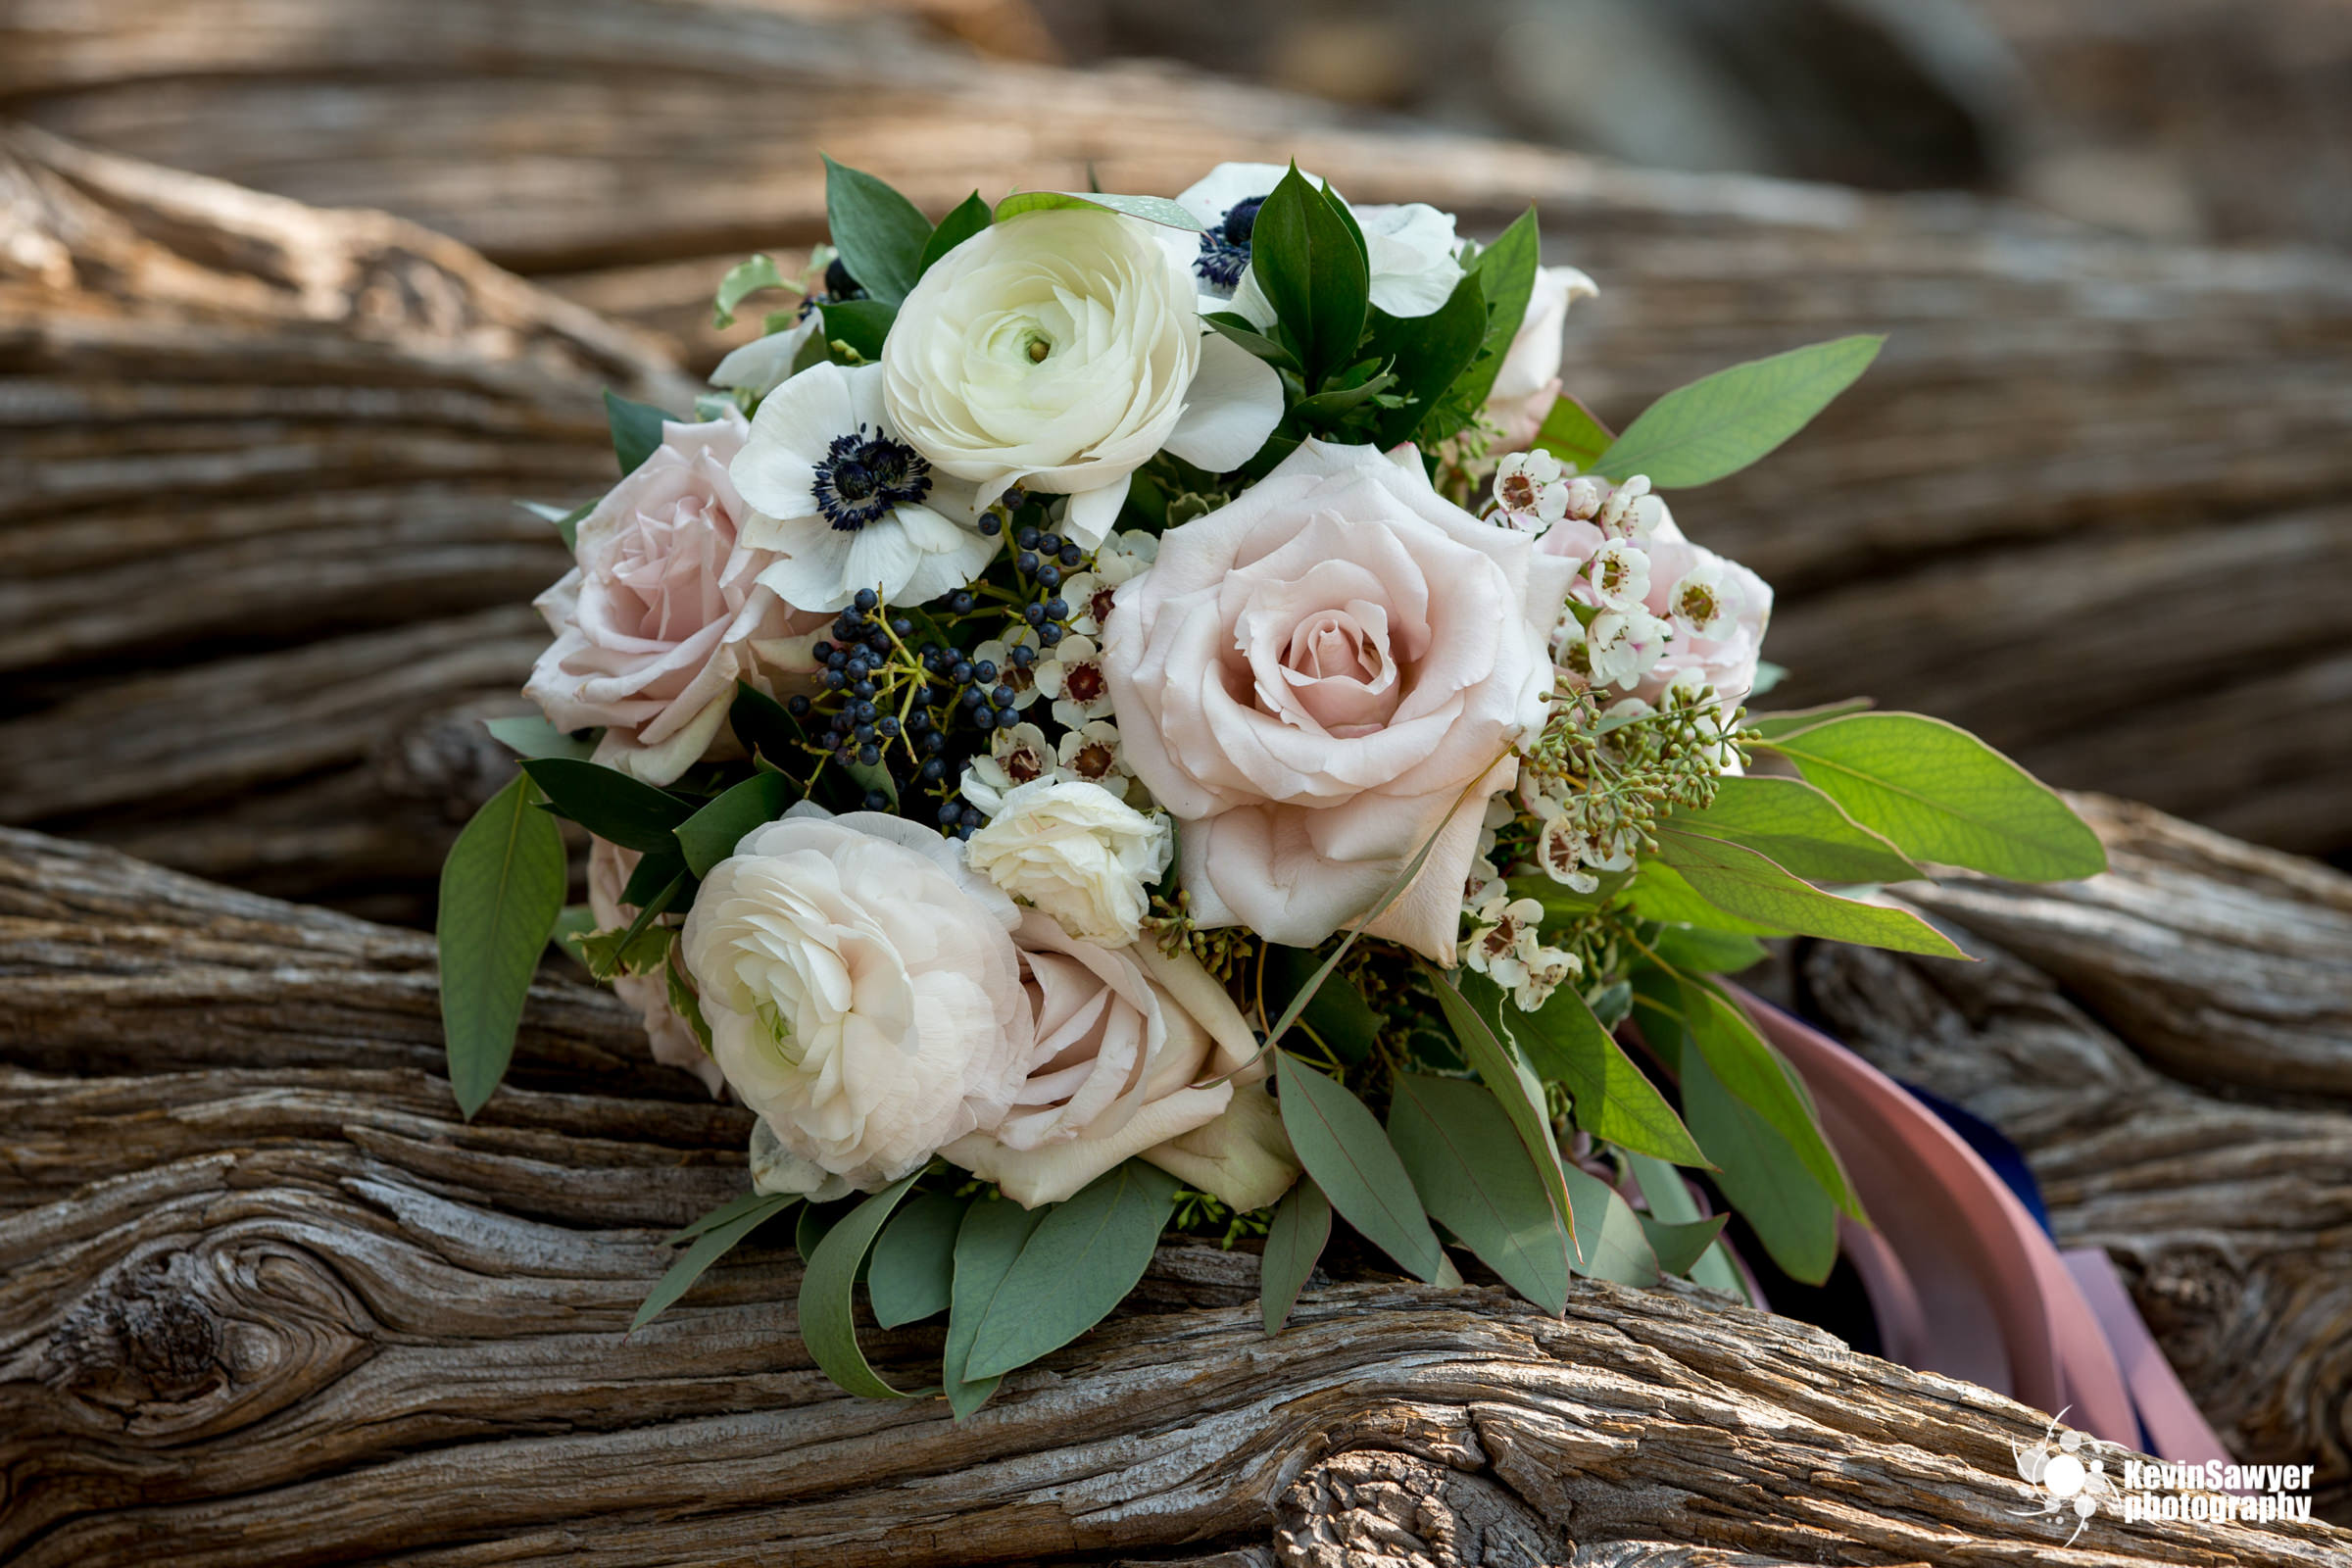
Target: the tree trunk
pixel 265 1296
pixel 2095 503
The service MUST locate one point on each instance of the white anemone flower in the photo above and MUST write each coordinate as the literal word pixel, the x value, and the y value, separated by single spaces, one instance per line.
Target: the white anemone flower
pixel 846 503
pixel 1409 248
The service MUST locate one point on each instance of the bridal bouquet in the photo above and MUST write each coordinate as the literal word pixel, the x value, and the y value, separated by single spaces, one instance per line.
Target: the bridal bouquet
pixel 1123 715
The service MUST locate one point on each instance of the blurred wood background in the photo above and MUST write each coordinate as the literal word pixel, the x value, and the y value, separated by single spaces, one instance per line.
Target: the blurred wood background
pixel 2094 502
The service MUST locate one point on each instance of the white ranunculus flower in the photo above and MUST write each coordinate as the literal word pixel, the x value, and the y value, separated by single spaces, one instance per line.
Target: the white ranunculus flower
pixel 846 503
pixel 764 363
pixel 863 993
pixel 1409 249
pixel 1060 350
pixel 1077 851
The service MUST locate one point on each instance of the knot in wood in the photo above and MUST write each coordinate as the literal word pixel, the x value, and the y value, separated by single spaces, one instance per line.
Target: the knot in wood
pixel 146 1336
pixel 1369 1509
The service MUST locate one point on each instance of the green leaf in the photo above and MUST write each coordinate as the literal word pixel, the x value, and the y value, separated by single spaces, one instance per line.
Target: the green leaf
pixel 1506 278
pixel 1659 893
pixel 1428 352
pixel 502 888
pixel 1475 1018
pixel 1944 795
pixel 1791 1213
pixel 1294 1241
pixel 862 324
pixel 969 216
pixel 1336 1013
pixel 1699 951
pixel 529 735
pixel 654 874
pixel 1721 423
pixel 1611 1243
pixel 1680 1246
pixel 879 233
pixel 990 1239
pixel 1150 209
pixel 714 1236
pixel 609 803
pixel 1238 329
pixel 1476 1178
pixel 1613 1098
pixel 1801 829
pixel 1343 1148
pixel 711 834
pixel 1748 1069
pixel 763 724
pixel 913 1272
pixel 828 1326
pixel 636 430
pixel 744 278
pixel 1671 1202
pixel 1081 1262
pixel 630 949
pixel 1754 887
pixel 1311 264
pixel 1572 434
pixel 1776 726
pixel 817 1221
pixel 1328 408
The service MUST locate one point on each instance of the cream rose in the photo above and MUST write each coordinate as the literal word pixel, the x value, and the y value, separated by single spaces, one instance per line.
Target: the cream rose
pixel 1527 382
pixel 1122 1037
pixel 670 1035
pixel 1060 350
pixel 861 990
pixel 1309 678
pixel 664 612
pixel 1076 851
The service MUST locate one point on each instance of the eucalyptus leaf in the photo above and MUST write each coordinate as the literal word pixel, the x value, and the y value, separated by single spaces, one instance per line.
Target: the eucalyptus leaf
pixel 1721 423
pixel 1790 1211
pixel 879 233
pixel 1476 1178
pixel 1749 1069
pixel 1611 1243
pixel 1572 434
pixel 1670 1201
pixel 1294 1241
pixel 913 1271
pixel 1613 1098
pixel 1336 1013
pixel 828 1326
pixel 734 1208
pixel 991 1238
pixel 1658 892
pixel 1679 1245
pixel 529 735
pixel 1343 1148
pixel 1079 1264
pixel 636 430
pixel 1754 887
pixel 968 218
pixel 817 1221
pixel 1944 795
pixel 1150 209
pixel 711 834
pixel 1697 950
pixel 713 1238
pixel 1775 727
pixel 609 803
pixel 502 888
pixel 1475 1024
pixel 1800 828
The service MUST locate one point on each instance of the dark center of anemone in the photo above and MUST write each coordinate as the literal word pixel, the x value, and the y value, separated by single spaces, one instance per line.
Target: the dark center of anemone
pixel 863 477
pixel 1225 249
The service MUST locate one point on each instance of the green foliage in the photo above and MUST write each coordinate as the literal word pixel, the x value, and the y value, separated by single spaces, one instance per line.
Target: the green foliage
pixel 1670 1203
pixel 1678 1246
pixel 1343 1148
pixel 1752 887
pixel 1475 1178
pixel 1613 1098
pixel 1309 261
pixel 1610 1241
pixel 529 735
pixel 1721 423
pixel 1776 726
pixel 969 216
pixel 1080 1262
pixel 636 432
pixel 1944 795
pixel 1796 826
pixel 711 834
pixel 1760 1172
pixel 567 521
pixel 745 279
pixel 1335 1013
pixel 610 803
pixel 1516 1090
pixel 860 326
pixel 1506 271
pixel 1150 209
pixel 1572 434
pixel 1695 950
pixel 880 233
pixel 827 1329
pixel 501 889
pixel 1748 1066
pixel 912 1274
pixel 1294 1243
pixel 637 949
pixel 1427 352
pixel 714 1236
pixel 993 1234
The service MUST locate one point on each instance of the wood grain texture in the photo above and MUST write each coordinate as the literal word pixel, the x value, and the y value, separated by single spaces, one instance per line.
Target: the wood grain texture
pixel 2169 1045
pixel 264 1298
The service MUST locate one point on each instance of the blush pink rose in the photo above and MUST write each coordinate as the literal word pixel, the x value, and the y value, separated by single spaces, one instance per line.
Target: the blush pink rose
pixel 671 1036
pixel 663 613
pixel 1123 1037
pixel 1311 677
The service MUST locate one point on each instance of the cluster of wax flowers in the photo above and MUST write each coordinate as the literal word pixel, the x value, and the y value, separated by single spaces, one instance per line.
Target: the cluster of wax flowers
pixel 1279 702
pixel 1657 631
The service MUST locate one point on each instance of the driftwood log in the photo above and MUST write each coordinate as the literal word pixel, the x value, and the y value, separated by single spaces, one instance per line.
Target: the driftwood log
pixel 2095 502
pixel 264 1298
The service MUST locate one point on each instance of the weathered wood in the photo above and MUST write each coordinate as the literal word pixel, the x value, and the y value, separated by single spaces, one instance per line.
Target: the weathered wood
pixel 265 1296
pixel 2171 1045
